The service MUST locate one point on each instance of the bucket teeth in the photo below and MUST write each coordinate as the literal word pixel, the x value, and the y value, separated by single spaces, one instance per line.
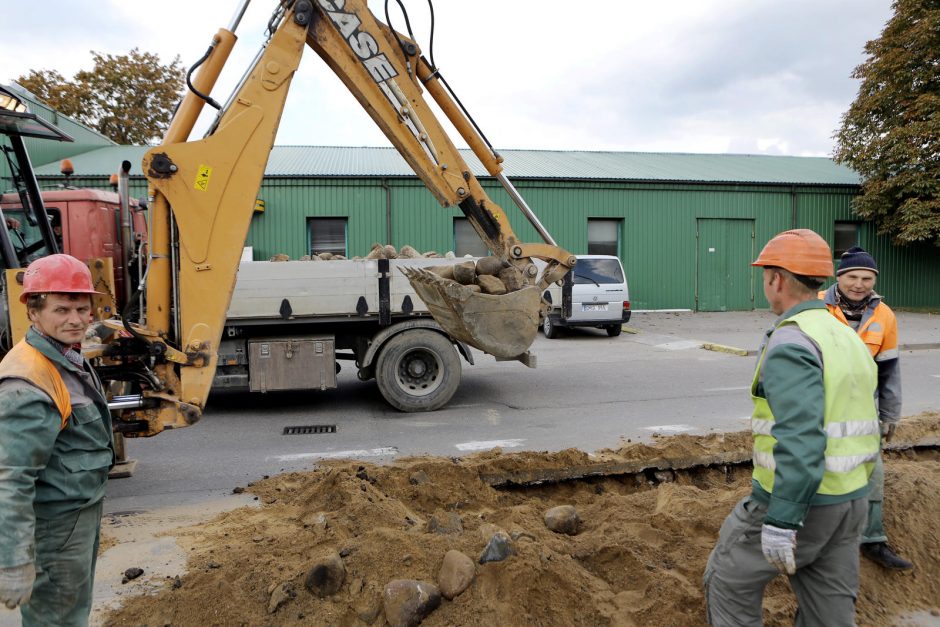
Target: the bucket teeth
pixel 503 326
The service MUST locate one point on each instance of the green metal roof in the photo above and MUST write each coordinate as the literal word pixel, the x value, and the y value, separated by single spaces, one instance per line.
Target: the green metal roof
pixel 336 161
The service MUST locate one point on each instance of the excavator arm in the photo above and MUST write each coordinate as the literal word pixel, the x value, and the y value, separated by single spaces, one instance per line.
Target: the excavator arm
pixel 204 191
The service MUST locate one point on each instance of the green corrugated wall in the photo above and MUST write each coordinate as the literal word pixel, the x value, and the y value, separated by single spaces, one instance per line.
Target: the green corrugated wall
pixel 658 235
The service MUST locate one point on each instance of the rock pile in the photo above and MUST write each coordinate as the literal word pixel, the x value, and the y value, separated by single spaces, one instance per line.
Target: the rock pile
pixel 488 275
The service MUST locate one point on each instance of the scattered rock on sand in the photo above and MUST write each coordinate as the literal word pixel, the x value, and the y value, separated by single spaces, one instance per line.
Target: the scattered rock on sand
pixel 326 576
pixel 497 549
pixel 419 478
pixel 132 573
pixel 457 573
pixel 563 519
pixel 445 522
pixel 281 595
pixel 408 602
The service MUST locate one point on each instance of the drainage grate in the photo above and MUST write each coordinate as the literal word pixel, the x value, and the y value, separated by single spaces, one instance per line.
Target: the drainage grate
pixel 309 429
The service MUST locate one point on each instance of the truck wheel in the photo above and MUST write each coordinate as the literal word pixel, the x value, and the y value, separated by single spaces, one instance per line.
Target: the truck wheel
pixel 614 330
pixel 549 328
pixel 418 370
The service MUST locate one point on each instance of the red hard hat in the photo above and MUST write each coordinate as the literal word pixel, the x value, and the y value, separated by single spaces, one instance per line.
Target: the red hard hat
pixel 801 251
pixel 57 273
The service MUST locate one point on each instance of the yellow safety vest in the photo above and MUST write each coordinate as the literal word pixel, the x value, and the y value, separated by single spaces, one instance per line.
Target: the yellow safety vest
pixel 850 419
pixel 25 361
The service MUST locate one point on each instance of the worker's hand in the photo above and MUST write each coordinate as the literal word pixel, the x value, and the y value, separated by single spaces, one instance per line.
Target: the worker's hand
pixel 16 585
pixel 779 546
pixel 13 223
pixel 887 430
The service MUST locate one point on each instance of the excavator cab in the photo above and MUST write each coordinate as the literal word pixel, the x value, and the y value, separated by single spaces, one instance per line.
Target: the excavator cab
pixel 27 232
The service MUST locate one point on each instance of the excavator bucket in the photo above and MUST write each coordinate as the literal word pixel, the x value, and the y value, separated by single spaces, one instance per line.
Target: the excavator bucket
pixel 503 326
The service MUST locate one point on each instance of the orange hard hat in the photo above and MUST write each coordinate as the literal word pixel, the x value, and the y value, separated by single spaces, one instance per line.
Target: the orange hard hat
pixel 801 251
pixel 57 273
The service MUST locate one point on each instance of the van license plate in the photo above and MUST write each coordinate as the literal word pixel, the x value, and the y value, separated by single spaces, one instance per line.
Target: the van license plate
pixel 602 307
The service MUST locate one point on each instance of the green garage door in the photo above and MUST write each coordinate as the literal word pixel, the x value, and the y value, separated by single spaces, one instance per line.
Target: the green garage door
pixel 725 250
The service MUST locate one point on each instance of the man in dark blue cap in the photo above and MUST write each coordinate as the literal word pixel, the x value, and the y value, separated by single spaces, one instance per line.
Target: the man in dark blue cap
pixel 853 300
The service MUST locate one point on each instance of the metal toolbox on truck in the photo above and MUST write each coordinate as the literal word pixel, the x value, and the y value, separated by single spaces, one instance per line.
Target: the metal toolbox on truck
pixel 292 364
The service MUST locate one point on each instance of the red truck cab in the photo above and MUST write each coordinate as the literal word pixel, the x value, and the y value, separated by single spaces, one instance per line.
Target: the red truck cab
pixel 87 225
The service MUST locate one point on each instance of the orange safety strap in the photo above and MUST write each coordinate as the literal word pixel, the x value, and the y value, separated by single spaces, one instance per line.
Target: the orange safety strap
pixel 25 361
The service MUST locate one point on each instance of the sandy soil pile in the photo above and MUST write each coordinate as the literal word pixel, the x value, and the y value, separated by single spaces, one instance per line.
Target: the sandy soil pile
pixel 637 560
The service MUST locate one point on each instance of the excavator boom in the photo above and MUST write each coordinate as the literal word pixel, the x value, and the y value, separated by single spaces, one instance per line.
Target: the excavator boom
pixel 204 191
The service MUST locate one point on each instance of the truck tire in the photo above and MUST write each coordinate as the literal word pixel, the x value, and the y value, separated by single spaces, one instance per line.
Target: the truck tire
pixel 418 370
pixel 614 330
pixel 549 328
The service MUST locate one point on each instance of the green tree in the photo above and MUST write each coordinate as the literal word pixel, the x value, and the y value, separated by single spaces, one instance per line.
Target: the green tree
pixel 891 133
pixel 128 98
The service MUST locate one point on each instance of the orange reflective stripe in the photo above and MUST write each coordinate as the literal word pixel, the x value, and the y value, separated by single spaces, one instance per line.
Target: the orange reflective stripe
pixel 25 361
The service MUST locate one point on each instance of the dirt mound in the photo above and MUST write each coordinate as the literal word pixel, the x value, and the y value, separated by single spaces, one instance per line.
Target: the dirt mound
pixel 637 559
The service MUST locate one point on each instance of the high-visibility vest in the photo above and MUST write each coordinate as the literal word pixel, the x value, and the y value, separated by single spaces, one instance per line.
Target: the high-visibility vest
pixel 25 361
pixel 879 331
pixel 850 418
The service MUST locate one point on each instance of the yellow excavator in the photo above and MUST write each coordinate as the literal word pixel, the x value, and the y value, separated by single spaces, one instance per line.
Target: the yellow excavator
pixel 203 195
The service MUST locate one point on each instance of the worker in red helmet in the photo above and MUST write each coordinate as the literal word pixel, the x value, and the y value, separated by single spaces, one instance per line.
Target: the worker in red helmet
pixel 56 449
pixel 815 442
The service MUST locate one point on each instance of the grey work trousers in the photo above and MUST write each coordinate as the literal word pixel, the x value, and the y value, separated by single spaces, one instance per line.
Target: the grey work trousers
pixel 875 527
pixel 66 553
pixel 826 580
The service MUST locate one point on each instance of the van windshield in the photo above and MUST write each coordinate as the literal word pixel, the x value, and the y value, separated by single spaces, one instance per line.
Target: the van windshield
pixel 595 271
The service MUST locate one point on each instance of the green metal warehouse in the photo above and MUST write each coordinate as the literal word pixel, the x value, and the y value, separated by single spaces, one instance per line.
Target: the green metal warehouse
pixel 685 226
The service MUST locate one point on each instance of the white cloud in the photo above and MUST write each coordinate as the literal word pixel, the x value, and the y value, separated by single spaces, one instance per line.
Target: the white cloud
pixel 685 75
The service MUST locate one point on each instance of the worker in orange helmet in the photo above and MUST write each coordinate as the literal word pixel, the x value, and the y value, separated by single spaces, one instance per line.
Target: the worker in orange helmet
pixel 815 442
pixel 56 448
pixel 853 301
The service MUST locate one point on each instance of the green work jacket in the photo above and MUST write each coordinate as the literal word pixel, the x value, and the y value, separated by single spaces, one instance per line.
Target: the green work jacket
pixel 47 470
pixel 815 423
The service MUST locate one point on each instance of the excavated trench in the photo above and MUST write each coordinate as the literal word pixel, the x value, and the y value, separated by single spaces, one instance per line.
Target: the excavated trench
pixel 649 515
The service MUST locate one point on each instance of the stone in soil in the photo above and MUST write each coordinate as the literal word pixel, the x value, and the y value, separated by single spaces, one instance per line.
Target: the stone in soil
pixel 408 602
pixel 457 573
pixel 563 519
pixel 325 577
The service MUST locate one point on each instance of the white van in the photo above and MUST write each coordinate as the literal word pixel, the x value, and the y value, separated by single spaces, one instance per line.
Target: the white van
pixel 593 294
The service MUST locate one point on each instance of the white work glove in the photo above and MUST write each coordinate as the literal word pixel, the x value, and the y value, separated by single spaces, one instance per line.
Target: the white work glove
pixel 887 430
pixel 16 585
pixel 779 546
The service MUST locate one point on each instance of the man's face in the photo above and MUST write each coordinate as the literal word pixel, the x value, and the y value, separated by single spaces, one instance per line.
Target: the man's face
pixel 857 284
pixel 64 317
pixel 772 291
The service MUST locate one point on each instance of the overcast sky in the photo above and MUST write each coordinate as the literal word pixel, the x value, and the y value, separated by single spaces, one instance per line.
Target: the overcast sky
pixel 702 76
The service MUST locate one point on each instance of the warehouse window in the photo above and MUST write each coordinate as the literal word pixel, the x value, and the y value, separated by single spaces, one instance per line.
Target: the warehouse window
pixel 846 236
pixel 327 235
pixel 604 237
pixel 466 240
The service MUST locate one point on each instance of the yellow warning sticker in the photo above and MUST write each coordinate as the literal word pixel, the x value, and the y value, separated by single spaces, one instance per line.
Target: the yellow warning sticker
pixel 202 178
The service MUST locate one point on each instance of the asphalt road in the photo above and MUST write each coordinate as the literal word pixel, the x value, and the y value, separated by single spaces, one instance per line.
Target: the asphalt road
pixel 588 392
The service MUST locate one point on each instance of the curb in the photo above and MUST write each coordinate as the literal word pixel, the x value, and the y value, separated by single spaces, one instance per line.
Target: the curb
pixel 721 348
pixel 919 347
